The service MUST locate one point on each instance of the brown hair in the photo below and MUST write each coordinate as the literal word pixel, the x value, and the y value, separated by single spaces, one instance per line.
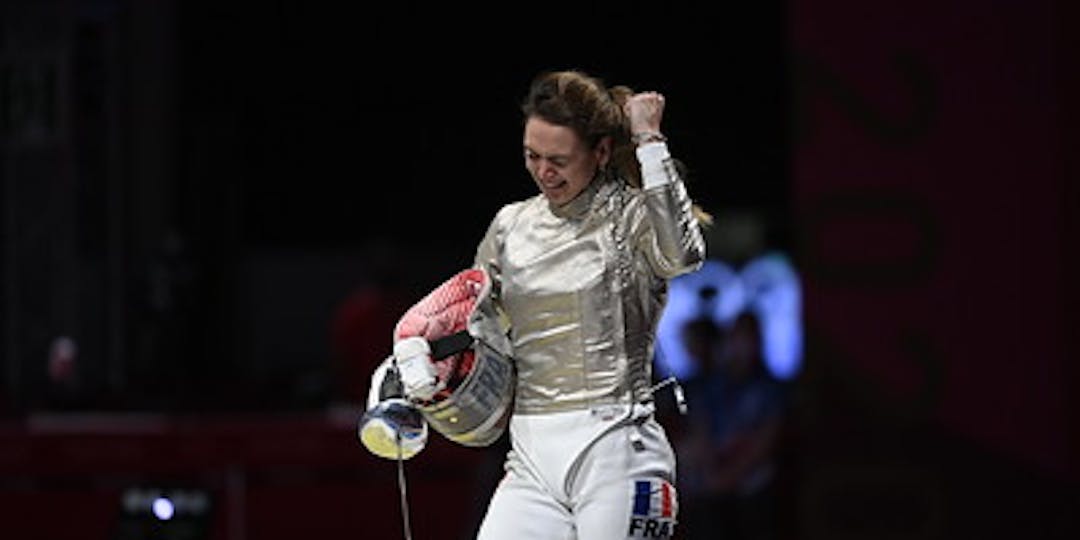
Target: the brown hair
pixel 583 103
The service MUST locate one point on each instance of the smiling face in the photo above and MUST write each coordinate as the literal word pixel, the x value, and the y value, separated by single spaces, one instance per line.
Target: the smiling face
pixel 560 162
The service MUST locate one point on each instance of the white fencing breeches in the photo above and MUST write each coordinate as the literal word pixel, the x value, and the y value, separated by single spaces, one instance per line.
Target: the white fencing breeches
pixel 574 476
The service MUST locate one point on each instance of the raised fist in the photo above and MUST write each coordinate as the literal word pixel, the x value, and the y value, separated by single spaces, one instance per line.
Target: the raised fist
pixel 645 111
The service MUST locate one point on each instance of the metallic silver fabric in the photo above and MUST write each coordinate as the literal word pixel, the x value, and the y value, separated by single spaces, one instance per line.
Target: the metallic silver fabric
pixel 581 287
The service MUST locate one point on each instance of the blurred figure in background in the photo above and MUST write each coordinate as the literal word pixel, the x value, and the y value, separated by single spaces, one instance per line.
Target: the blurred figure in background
pixel 732 333
pixel 364 321
pixel 728 447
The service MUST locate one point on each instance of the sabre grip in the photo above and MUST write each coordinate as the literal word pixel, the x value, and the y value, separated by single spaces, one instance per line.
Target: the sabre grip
pixel 391 386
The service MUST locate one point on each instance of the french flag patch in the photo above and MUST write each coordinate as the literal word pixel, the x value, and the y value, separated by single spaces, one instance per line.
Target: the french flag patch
pixel 654 508
pixel 654 498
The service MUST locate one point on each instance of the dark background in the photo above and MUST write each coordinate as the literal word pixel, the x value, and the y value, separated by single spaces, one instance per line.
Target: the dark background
pixel 196 154
pixel 226 205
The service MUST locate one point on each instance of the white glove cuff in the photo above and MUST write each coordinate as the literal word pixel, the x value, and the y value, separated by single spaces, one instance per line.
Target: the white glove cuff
pixel 652 156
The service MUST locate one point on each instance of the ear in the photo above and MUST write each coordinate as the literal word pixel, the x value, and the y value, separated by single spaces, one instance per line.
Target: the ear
pixel 602 152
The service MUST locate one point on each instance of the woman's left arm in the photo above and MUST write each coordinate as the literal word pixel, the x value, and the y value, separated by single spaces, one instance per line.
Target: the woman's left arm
pixel 673 241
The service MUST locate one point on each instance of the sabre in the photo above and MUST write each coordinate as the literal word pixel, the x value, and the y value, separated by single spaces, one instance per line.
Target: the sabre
pixel 394 424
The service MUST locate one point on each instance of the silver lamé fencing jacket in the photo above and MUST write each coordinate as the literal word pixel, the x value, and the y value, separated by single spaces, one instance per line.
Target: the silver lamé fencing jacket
pixel 580 288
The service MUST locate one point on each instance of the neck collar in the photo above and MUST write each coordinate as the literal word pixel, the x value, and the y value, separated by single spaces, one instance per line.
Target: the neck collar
pixel 592 196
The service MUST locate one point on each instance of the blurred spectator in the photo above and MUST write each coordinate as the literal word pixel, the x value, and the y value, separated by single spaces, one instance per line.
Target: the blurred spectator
pixel 360 338
pixel 727 447
pixel 363 324
pixel 714 292
pixel 733 334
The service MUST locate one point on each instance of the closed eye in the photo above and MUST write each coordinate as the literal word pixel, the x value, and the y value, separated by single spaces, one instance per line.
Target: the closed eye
pixel 558 161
